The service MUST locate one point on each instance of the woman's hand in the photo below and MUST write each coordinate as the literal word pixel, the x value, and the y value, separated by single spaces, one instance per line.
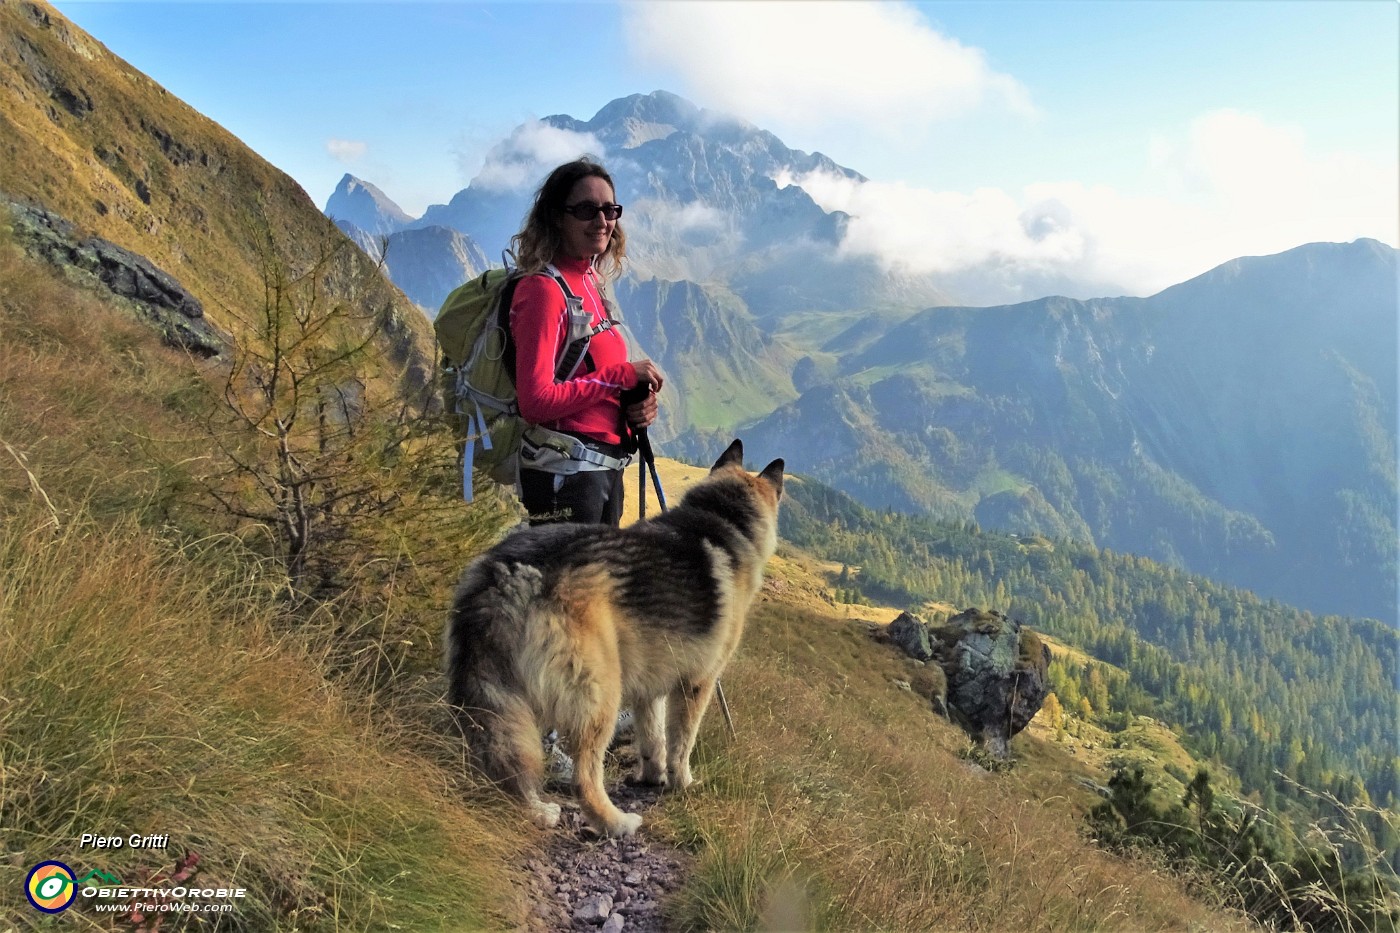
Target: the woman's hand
pixel 642 414
pixel 647 372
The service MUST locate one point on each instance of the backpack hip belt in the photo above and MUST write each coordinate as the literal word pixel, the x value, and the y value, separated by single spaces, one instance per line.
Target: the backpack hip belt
pixel 556 452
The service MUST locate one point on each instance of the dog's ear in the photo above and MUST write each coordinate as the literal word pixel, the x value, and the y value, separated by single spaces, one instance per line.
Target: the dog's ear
pixel 773 472
pixel 734 455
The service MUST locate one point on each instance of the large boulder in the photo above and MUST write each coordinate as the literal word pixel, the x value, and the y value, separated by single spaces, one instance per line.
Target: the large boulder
pixel 989 673
pixel 998 675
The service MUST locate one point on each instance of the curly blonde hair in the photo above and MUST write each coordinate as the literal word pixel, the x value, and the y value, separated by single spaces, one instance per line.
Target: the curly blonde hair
pixel 537 243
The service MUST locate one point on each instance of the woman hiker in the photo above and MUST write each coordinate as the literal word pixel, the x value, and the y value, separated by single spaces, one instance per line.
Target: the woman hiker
pixel 574 226
pixel 573 229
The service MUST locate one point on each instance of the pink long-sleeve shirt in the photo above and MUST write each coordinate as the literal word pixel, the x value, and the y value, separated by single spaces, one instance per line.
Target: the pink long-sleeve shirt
pixel 589 403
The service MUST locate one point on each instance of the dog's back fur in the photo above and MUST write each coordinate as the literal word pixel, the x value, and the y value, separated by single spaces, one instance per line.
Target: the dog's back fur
pixel 559 626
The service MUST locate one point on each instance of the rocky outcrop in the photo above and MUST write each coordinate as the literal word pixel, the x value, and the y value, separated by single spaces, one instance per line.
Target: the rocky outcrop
pixel 996 670
pixel 151 293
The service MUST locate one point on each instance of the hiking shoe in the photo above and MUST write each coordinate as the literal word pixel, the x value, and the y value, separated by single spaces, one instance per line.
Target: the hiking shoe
pixel 624 728
pixel 558 766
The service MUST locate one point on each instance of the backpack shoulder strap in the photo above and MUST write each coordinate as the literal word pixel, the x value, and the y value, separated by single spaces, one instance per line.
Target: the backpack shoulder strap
pixel 569 297
pixel 503 322
pixel 573 355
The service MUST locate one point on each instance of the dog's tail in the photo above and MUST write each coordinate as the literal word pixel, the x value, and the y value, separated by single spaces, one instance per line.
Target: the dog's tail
pixel 488 616
pixel 487 700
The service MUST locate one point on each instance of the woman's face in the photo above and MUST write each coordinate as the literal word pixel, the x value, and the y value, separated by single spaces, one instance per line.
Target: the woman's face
pixel 584 239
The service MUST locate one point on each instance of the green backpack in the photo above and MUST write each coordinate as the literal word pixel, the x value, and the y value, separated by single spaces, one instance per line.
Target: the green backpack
pixel 477 381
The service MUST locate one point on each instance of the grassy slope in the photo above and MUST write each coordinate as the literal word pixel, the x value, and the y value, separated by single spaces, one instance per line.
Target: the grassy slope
pixel 845 802
pixel 150 681
pixel 149 690
pixel 85 135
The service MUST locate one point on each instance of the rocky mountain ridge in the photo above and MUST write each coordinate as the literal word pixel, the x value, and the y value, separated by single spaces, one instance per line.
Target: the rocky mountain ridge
pixel 704 204
pixel 1241 425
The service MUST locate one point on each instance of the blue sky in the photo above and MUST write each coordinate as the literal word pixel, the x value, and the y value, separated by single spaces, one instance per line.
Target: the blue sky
pixel 1156 137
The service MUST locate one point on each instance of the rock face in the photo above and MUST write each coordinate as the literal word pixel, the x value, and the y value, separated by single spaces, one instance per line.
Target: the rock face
pixel 429 262
pixel 997 671
pixel 152 293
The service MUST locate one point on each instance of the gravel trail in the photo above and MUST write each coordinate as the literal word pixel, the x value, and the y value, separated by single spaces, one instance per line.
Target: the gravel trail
pixel 583 882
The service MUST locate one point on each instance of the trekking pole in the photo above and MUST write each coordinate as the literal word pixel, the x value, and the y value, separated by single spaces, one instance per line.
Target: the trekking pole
pixel 648 462
pixel 631 397
pixel 724 708
pixel 655 477
pixel 639 433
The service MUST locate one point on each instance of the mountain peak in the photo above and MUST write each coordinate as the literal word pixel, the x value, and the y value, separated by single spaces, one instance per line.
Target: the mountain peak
pixel 1335 263
pixel 658 107
pixel 362 204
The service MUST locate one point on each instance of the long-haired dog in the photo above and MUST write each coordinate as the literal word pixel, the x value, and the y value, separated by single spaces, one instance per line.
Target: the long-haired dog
pixel 562 625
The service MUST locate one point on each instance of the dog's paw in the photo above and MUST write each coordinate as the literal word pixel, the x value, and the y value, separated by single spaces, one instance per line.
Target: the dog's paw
pixel 679 780
pixel 626 825
pixel 545 815
pixel 632 780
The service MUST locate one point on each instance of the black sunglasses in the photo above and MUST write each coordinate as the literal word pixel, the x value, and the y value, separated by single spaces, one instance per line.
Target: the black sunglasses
pixel 587 210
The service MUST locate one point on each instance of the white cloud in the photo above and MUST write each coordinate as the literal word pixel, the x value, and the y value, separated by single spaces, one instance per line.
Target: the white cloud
pixel 1260 181
pixel 879 67
pixel 1229 185
pixel 679 219
pixel 346 150
pixel 522 160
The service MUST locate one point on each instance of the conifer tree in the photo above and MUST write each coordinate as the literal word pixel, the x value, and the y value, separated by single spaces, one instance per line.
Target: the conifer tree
pixel 301 428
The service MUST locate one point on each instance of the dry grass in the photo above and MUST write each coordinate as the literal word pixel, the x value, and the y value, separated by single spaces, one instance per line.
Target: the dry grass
pixel 152 682
pixel 145 689
pixel 84 394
